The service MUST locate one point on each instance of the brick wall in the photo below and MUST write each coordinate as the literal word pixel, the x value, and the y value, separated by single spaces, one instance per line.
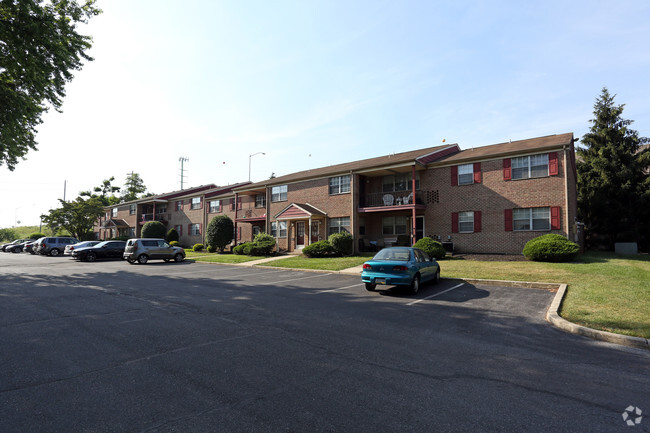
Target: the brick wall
pixel 492 196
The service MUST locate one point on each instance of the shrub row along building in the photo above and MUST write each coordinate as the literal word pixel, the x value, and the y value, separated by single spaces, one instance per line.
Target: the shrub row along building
pixel 491 199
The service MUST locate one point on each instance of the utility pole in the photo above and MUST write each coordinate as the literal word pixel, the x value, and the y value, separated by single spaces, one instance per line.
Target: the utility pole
pixel 182 160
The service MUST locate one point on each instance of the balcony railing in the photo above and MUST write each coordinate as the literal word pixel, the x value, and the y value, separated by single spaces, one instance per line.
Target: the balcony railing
pixel 162 217
pixel 254 212
pixel 402 198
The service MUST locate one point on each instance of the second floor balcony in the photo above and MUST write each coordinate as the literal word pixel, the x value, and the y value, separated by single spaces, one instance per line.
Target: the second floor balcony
pixel 252 214
pixel 146 217
pixel 391 199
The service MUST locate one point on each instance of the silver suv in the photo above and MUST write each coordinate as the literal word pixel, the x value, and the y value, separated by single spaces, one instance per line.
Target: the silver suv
pixel 54 246
pixel 142 250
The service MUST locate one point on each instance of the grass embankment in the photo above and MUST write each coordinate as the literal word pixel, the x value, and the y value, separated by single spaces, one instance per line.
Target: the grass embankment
pixel 204 256
pixel 328 264
pixel 606 291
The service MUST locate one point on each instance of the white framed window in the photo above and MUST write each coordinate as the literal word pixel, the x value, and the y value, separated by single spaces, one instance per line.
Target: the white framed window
pixel 526 167
pixel 179 229
pixel 537 218
pixel 195 229
pixel 215 206
pixel 179 205
pixel 114 212
pixel 260 200
pixel 279 193
pixel 466 222
pixel 466 174
pixel 196 203
pixel 338 225
pixel 279 229
pixel 399 182
pixel 395 225
pixel 340 184
pixel 132 208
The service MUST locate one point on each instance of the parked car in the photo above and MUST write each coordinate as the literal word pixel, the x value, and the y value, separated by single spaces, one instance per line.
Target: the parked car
pixel 54 246
pixel 400 266
pixel 69 248
pixel 4 247
pixel 143 250
pixel 30 247
pixel 102 250
pixel 17 248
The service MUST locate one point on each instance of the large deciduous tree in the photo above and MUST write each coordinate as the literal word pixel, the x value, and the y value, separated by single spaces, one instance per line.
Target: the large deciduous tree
pixel 613 184
pixel 40 47
pixel 77 217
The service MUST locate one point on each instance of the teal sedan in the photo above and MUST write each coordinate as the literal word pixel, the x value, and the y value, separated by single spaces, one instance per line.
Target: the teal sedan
pixel 400 266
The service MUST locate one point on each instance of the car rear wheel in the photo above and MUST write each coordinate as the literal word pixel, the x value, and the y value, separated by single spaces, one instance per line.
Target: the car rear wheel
pixel 370 287
pixel 142 259
pixel 91 257
pixel 54 252
pixel 178 257
pixel 415 284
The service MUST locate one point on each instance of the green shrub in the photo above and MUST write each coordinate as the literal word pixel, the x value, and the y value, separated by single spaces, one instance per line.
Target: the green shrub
pixel 551 248
pixel 247 248
pixel 198 247
pixel 341 243
pixel 172 235
pixel 211 248
pixel 262 245
pixel 319 249
pixel 154 229
pixel 220 232
pixel 35 236
pixel 175 244
pixel 239 249
pixel 432 248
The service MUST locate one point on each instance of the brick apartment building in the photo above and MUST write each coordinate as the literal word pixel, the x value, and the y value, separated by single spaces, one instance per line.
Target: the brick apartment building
pixel 491 199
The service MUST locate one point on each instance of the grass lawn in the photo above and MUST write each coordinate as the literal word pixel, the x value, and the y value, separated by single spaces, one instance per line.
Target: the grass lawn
pixel 329 264
pixel 204 256
pixel 606 291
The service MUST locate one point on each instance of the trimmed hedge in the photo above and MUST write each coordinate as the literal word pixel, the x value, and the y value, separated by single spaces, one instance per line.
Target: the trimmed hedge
pixel 174 244
pixel 551 248
pixel 262 245
pixel 341 243
pixel 198 247
pixel 172 235
pixel 154 229
pixel 432 248
pixel 319 249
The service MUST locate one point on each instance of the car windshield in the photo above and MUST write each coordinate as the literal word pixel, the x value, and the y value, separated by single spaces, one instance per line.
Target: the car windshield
pixel 398 254
pixel 101 244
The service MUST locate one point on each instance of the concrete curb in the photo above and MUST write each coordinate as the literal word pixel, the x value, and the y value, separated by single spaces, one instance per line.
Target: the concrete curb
pixel 554 318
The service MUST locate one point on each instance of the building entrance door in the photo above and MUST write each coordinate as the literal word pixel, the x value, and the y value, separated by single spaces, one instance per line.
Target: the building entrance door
pixel 300 234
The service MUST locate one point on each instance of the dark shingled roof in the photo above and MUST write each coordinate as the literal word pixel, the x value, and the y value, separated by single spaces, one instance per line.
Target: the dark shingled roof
pixel 539 144
pixel 381 161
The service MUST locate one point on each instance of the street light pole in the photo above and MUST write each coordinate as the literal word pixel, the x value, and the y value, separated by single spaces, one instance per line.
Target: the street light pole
pixel 249 163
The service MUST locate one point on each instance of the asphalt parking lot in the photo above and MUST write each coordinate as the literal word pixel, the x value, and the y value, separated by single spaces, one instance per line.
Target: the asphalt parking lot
pixel 111 347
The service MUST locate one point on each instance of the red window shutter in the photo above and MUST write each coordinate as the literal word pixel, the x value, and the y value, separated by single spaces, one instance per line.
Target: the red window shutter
pixel 477 172
pixel 477 221
pixel 454 222
pixel 200 229
pixel 454 175
pixel 507 172
pixel 238 203
pixel 238 233
pixel 555 218
pixel 508 219
pixel 189 229
pixel 553 166
pixel 200 202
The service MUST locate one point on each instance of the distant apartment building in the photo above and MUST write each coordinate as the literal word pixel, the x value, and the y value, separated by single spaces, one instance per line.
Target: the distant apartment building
pixel 490 199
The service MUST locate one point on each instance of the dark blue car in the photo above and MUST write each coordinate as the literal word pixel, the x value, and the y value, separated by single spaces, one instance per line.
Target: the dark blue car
pixel 400 266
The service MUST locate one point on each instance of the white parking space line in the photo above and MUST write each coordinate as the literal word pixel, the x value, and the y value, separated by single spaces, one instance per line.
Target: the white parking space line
pixel 294 279
pixel 340 288
pixel 437 294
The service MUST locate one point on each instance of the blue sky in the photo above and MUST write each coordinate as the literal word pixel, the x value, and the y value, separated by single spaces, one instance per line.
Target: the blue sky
pixel 314 83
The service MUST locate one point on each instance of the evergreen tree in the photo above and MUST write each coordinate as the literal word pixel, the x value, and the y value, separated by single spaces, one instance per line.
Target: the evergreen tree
pixel 612 178
pixel 102 192
pixel 220 232
pixel 133 187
